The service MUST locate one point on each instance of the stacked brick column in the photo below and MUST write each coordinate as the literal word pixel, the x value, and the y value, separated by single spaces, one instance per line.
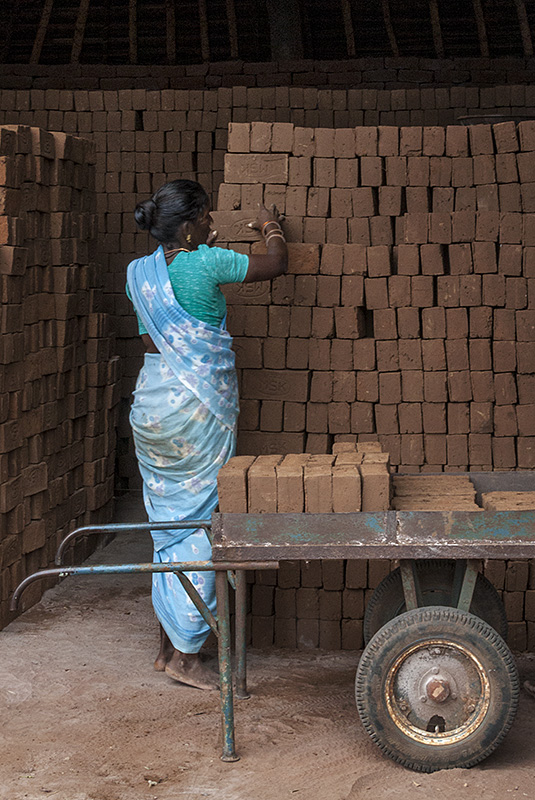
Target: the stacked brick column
pixel 58 396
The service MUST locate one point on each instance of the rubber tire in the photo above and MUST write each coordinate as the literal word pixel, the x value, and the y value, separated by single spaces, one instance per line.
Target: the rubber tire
pixel 455 626
pixel 388 601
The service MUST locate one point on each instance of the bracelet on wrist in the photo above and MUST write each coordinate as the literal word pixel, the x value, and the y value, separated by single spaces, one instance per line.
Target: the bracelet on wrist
pixel 271 222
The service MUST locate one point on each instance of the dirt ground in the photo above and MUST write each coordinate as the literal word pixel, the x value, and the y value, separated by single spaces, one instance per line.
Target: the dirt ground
pixel 83 716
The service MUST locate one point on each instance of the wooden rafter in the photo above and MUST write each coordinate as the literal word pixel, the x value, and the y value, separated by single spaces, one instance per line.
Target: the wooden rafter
pixel 348 28
pixel 525 32
pixel 205 38
pixel 232 28
pixel 481 28
pixel 435 27
pixel 41 32
pixel 132 31
pixel 170 22
pixel 79 31
pixel 390 28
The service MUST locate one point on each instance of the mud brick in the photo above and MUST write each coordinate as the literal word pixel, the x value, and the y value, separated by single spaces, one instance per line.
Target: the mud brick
pixel 410 417
pixel 324 172
pixel 422 290
pixel 416 228
pixel 505 422
pixel 505 388
pixel 457 354
pixel 526 167
pixel 407 259
pixel 457 140
pixel 432 259
pixel 262 631
pixel 362 420
pixel 384 323
pixel 262 484
pixel 381 231
pixel 324 141
pixel 346 172
pixel 371 171
pixel 417 199
pixel 359 231
pixel 363 201
pixel 330 602
pixel 481 141
pixel 463 226
pixel 390 200
pixel 399 287
pixel 341 354
pixel 418 176
pixel 410 354
pixel 433 355
pixel 338 417
pixel 318 488
pixel 376 292
pixel 456 323
pixel 525 326
pixel 378 569
pixel 396 170
pixel 526 133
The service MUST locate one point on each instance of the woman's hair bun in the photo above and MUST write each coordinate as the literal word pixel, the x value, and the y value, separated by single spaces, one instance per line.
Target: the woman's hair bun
pixel 144 214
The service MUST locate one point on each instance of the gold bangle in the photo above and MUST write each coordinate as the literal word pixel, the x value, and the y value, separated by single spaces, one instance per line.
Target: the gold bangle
pixel 270 222
pixel 274 235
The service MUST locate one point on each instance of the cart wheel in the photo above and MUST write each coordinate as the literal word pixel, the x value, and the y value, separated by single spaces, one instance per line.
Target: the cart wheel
pixel 436 582
pixel 437 688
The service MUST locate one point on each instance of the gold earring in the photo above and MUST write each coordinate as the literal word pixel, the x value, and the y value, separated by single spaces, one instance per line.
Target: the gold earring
pixel 188 238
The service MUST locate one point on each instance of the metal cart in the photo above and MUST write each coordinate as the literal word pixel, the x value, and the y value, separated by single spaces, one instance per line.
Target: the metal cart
pixel 436 686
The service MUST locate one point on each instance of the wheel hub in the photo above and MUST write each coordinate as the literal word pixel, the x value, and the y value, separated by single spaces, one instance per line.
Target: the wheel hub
pixel 437 692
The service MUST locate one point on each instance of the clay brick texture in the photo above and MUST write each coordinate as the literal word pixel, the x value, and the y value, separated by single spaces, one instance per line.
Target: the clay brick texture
pixel 59 379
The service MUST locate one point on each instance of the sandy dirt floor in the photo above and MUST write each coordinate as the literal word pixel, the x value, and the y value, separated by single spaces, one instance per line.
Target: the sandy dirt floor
pixel 83 716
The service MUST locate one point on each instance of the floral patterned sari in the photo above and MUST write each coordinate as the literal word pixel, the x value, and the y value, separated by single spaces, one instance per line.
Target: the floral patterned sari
pixel 183 419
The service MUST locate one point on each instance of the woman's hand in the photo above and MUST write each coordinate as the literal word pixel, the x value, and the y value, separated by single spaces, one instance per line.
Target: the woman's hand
pixel 270 214
pixel 212 236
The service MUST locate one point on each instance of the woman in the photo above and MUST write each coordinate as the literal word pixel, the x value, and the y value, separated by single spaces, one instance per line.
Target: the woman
pixel 185 408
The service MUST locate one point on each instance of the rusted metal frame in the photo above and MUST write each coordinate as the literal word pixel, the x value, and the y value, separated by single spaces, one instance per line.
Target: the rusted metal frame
pixel 411 584
pixel 132 31
pixel 170 25
pixel 198 602
pixel 458 575
pixel 79 31
pixel 390 28
pixel 436 29
pixel 525 32
pixel 348 28
pixel 232 28
pixel 481 28
pixel 126 527
pixel 225 668
pixel 468 585
pixel 119 569
pixel 41 32
pixel 204 30
pixel 241 642
pixel 231 577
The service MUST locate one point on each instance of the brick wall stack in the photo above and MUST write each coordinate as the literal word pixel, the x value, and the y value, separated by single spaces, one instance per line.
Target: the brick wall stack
pixel 59 392
pixel 373 73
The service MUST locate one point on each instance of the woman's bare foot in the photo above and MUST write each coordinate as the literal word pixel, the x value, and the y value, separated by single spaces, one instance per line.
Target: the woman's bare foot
pixel 188 668
pixel 166 651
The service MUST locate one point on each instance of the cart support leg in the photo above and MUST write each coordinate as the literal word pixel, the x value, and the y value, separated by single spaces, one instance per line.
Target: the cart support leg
pixel 468 584
pixel 225 668
pixel 411 585
pixel 241 647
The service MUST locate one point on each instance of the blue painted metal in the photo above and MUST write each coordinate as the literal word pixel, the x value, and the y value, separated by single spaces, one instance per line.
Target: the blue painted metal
pixel 411 584
pixel 225 668
pixel 468 585
pixel 241 644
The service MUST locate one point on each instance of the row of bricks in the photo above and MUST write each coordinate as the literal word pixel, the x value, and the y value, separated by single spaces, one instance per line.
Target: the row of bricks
pixel 511 298
pixel 86 123
pixel 294 385
pixel 269 97
pixel 372 170
pixel 369 201
pixel 311 634
pixel 414 451
pixel 322 604
pixel 339 574
pixel 392 416
pixel 455 141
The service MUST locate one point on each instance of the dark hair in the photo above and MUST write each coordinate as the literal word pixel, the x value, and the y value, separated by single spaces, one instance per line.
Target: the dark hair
pixel 169 207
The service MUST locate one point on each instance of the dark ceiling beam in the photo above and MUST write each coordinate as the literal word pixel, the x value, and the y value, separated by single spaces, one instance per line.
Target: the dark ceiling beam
pixel 481 28
pixel 132 31
pixel 232 28
pixel 170 37
pixel 205 39
pixel 525 32
pixel 285 29
pixel 41 32
pixel 79 31
pixel 436 29
pixel 348 28
pixel 390 28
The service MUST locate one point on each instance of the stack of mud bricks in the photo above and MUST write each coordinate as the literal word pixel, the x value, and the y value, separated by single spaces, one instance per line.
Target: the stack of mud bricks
pixel 59 393
pixel 175 124
pixel 310 604
pixel 408 308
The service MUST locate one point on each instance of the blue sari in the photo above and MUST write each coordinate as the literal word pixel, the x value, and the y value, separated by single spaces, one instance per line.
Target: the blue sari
pixel 183 420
